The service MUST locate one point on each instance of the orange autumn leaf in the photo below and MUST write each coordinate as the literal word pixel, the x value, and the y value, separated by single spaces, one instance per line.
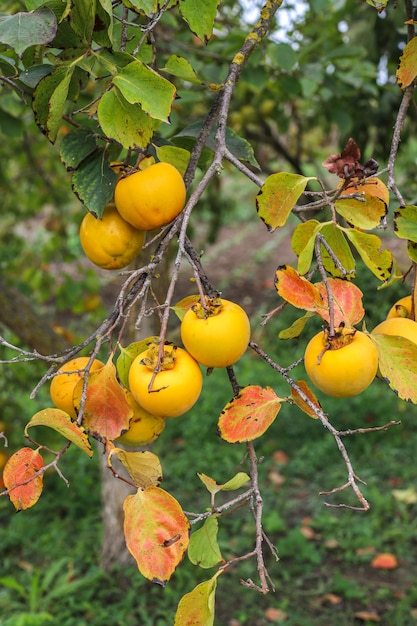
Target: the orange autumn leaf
pixel 249 414
pixel 347 302
pixel 385 560
pixel 19 476
pixel 61 422
pixel 156 532
pixel 297 290
pixel 301 403
pixel 106 410
pixel 407 69
pixel 367 616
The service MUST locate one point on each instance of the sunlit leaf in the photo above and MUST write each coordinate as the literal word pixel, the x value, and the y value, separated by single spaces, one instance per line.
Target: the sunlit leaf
pixel 181 307
pixel 199 16
pixel 397 358
pixel 240 479
pixel 107 411
pixel 140 84
pixel 196 608
pixel 128 355
pixel 126 123
pixel 303 242
pixel 369 247
pixel 203 549
pixel 336 241
pixel 407 69
pixel 301 403
pixel 296 328
pixel 182 68
pixel 367 212
pixel 297 290
pixel 249 414
pixel 19 476
pixel 278 196
pixel 156 532
pixel 144 467
pixel 405 223
pixel 64 425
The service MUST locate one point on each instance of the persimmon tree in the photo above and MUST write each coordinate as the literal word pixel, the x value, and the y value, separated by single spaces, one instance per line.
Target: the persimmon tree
pixel 112 83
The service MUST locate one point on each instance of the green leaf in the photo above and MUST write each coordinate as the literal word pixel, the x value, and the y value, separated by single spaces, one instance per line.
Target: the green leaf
pixel 238 146
pixel 180 67
pixel 412 251
pixel 337 243
pixel 82 19
pixel 127 356
pixel 366 214
pixel 139 84
pixel 397 358
pixel 22 30
pixel 196 608
pixel 147 7
pixel 379 5
pixel 93 182
pixel 405 223
pixel 296 328
pixel 303 242
pixel 32 75
pixel 178 157
pixel 126 123
pixel 370 250
pixel 278 196
pixel 240 479
pixel 200 16
pixel 203 549
pixel 103 32
pixel 76 146
pixel 49 100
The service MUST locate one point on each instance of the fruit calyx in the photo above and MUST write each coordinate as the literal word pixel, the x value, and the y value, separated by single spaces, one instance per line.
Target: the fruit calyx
pixel 342 337
pixel 151 359
pixel 211 307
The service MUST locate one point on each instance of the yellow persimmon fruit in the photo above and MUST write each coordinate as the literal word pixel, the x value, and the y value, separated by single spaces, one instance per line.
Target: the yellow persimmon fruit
pixel 63 383
pixel 398 327
pixel 343 367
pixel 110 242
pixel 152 197
pixel 216 334
pixel 402 308
pixel 144 428
pixel 171 391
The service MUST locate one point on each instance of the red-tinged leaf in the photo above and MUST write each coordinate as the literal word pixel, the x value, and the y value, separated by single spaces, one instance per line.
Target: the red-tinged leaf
pixel 346 163
pixel 301 403
pixel 347 302
pixel 276 615
pixel 249 414
pixel 64 425
pixel 385 560
pixel 196 608
pixel 297 290
pixel 181 308
pixel 397 359
pixel 106 410
pixel 19 476
pixel 156 532
pixel 144 467
pixel 407 69
pixel 369 247
pixel 278 196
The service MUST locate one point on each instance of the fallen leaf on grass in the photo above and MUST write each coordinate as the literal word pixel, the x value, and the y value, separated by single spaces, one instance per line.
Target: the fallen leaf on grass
pixel 409 496
pixel 367 616
pixel 385 560
pixel 275 615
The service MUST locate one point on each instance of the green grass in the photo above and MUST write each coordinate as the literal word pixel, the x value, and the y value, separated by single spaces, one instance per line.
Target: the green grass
pixel 49 554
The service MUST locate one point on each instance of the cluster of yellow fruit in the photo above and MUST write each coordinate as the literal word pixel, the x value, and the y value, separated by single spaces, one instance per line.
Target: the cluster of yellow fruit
pixel 347 365
pixel 144 200
pixel 215 334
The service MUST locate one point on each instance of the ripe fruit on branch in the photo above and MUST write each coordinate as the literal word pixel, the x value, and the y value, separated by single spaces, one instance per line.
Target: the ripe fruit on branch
pixel 217 333
pixel 144 428
pixel 399 327
pixel 175 388
pixel 343 366
pixel 63 383
pixel 402 308
pixel 110 242
pixel 152 197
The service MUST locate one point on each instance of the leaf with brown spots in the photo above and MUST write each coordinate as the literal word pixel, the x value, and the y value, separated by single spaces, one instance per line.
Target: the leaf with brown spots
pixel 249 414
pixel 19 476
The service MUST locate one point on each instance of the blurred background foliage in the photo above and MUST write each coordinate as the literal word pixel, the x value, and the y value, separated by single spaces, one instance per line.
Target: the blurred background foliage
pixel 325 73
